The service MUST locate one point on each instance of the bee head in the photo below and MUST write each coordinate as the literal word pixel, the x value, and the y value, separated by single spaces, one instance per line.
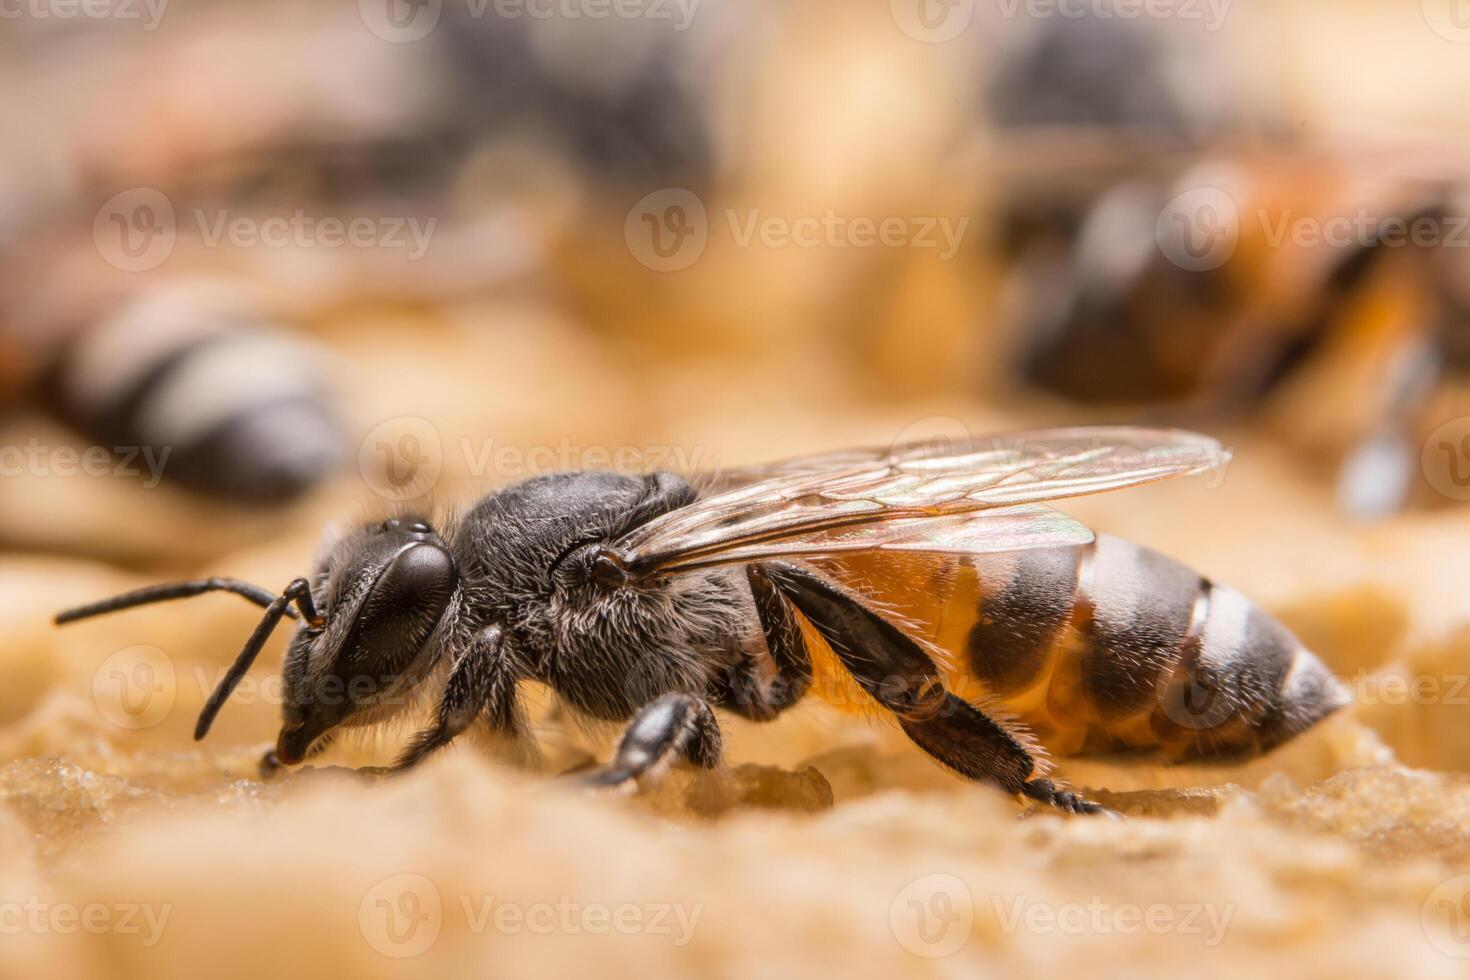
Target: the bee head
pixel 367 619
pixel 382 593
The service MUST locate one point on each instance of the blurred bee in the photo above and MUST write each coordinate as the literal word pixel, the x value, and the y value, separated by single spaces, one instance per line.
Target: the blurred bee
pixel 932 586
pixel 230 404
pixel 237 402
pixel 1241 289
pixel 1159 261
pixel 1087 102
pixel 500 133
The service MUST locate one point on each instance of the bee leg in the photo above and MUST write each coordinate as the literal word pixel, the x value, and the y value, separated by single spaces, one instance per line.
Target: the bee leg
pixel 744 691
pixel 901 677
pixel 673 725
pixel 482 684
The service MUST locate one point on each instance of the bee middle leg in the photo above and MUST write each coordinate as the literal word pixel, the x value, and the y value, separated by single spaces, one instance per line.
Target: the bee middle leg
pixel 671 726
pixel 746 689
pixel 897 673
pixel 482 684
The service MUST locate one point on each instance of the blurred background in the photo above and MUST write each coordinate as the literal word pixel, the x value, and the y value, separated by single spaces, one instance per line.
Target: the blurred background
pixel 265 267
pixel 256 247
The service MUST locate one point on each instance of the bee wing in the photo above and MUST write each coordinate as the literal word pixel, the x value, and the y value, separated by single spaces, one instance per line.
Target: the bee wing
pixel 982 532
pixel 839 502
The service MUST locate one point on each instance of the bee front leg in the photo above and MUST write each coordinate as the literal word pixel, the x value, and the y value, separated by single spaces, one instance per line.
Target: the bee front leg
pixel 901 677
pixel 482 683
pixel 671 726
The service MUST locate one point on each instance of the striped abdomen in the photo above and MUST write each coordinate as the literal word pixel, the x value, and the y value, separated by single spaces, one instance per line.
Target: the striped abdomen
pixel 227 404
pixel 1111 645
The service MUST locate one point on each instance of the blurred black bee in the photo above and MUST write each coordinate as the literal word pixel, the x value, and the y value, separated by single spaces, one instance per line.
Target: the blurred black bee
pixel 231 404
pixel 1080 103
pixel 618 99
pixel 613 102
pixel 1120 106
pixel 639 599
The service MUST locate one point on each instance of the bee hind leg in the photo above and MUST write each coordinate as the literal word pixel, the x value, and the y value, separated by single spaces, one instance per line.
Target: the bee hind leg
pixel 901 677
pixel 672 726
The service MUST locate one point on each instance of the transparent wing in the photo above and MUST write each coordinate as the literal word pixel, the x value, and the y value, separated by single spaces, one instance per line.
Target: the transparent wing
pixel 982 532
pixel 837 502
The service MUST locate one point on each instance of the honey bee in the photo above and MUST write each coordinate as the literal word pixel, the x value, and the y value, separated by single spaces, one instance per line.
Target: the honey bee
pixel 642 600
pixel 1194 255
pixel 1338 344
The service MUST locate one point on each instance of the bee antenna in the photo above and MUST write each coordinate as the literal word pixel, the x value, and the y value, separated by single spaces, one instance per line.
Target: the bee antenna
pixel 173 590
pixel 298 591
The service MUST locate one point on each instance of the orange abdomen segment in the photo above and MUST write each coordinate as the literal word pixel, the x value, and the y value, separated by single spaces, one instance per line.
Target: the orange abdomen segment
pixel 1108 646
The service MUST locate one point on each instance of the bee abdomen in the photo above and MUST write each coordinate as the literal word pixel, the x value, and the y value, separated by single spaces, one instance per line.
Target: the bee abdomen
pixel 1244 685
pixel 1136 613
pixel 1113 645
pixel 236 406
pixel 1027 601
